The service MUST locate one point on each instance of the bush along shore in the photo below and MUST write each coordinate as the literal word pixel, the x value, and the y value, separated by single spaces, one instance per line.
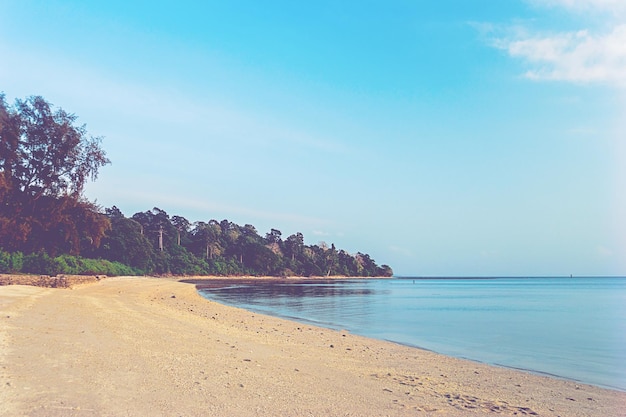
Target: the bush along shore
pixel 41 264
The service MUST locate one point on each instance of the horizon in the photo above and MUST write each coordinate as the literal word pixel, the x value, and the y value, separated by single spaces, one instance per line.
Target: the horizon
pixel 418 277
pixel 463 138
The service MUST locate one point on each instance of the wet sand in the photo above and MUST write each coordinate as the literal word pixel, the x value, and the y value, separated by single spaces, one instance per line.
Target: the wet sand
pixel 154 347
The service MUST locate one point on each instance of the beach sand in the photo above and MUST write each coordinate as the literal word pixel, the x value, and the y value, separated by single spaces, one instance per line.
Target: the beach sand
pixel 154 347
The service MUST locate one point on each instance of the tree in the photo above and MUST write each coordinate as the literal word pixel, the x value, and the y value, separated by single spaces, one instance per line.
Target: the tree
pixel 386 271
pixel 331 260
pixel 204 239
pixel 125 243
pixel 347 264
pixel 182 226
pixel 294 245
pixel 250 233
pixel 248 236
pixel 45 161
pixel 367 266
pixel 274 236
pixel 260 259
pixel 157 228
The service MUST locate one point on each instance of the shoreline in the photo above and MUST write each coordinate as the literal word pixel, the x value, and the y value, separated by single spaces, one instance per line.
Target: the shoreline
pixel 154 346
pixel 218 282
pixel 512 368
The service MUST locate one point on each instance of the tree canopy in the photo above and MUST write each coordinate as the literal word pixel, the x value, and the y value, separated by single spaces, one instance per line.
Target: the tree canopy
pixel 45 162
pixel 155 242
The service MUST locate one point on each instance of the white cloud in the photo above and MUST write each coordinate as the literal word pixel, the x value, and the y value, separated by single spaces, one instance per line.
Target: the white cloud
pixel 573 56
pixel 588 55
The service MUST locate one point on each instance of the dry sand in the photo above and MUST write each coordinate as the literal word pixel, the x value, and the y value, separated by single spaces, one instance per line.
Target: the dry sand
pixel 154 347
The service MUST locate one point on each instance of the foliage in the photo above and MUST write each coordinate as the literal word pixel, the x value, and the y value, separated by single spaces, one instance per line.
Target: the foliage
pixel 158 243
pixel 42 264
pixel 46 223
pixel 11 262
pixel 45 161
pixel 125 242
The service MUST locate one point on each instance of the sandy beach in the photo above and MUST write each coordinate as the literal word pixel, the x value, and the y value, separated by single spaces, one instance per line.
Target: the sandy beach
pixel 154 347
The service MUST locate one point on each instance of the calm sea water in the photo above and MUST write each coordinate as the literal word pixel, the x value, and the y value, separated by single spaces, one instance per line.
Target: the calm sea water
pixel 573 328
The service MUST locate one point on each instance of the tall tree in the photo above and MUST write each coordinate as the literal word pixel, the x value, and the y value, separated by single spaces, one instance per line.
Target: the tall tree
pixel 274 236
pixel 125 243
pixel 158 228
pixel 294 245
pixel 204 238
pixel 45 161
pixel 182 226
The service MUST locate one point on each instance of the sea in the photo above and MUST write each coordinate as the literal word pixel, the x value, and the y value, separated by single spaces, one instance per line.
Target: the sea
pixel 567 327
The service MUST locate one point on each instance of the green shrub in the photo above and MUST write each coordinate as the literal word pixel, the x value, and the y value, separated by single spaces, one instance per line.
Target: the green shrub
pixel 71 264
pixel 5 262
pixel 37 263
pixel 42 264
pixel 16 263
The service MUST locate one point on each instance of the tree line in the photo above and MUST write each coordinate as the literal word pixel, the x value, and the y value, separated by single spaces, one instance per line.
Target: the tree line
pixel 48 226
pixel 156 242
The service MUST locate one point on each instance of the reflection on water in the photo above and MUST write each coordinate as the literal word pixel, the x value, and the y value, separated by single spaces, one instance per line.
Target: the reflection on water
pixel 574 328
pixel 321 302
pixel 284 288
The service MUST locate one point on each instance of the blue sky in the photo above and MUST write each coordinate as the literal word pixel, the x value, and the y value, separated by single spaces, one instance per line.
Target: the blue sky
pixel 466 137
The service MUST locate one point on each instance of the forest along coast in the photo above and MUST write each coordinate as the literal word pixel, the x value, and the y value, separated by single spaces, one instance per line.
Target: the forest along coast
pixel 47 225
pixel 148 346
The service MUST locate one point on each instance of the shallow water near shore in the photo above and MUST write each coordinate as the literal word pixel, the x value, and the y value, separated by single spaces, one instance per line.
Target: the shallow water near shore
pixel 573 328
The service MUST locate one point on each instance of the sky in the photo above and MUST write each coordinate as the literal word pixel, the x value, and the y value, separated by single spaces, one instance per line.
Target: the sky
pixel 443 138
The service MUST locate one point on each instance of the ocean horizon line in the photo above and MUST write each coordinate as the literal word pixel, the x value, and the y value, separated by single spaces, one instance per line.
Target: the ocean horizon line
pixel 479 277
